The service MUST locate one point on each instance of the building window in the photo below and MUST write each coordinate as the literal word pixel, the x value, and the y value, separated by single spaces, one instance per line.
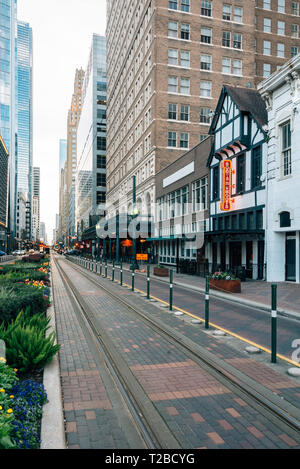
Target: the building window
pixel 295 8
pixel 267 25
pixel 185 86
pixel 286 148
pixel 256 167
pixel 206 61
pixel 185 31
pixel 101 162
pixel 294 51
pixel 267 4
pixel 184 113
pixel 285 219
pixel 200 195
pixel 206 8
pixel 226 38
pixel 172 113
pixel 101 143
pixel 172 84
pixel 205 115
pixel 216 183
pixel 184 140
pixel 173 29
pixel 237 41
pixel 172 139
pixel 202 137
pixel 173 57
pixel 241 174
pixel 280 50
pixel 101 198
pixel 281 6
pixel 266 70
pixel 237 67
pixel 238 14
pixel 206 35
pixel 205 89
pixel 185 58
pixel 226 12
pixel 267 48
pixel 173 4
pixel 101 180
pixel 295 30
pixel 226 65
pixel 281 28
pixel 185 5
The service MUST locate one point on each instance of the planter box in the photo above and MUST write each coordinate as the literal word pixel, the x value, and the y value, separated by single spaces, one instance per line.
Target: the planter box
pixel 229 286
pixel 161 272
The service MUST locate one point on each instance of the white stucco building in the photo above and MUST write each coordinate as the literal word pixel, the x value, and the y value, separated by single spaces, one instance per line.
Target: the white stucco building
pixel 281 92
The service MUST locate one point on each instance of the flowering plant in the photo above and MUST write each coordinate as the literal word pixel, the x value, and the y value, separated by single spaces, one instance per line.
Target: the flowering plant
pixel 223 276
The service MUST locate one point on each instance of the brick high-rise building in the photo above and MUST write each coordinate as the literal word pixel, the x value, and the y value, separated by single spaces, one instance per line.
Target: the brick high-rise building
pixel 166 63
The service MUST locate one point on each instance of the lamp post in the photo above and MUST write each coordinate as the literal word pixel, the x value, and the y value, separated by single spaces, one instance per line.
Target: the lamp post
pixel 118 240
pixel 134 214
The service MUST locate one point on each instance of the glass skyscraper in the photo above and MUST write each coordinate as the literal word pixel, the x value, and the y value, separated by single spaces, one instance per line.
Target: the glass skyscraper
pixel 24 113
pixel 8 87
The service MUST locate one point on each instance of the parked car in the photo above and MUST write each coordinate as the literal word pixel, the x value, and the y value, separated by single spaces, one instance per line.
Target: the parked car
pixel 2 254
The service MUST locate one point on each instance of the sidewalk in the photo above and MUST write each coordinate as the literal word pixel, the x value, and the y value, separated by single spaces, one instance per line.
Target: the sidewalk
pixel 254 293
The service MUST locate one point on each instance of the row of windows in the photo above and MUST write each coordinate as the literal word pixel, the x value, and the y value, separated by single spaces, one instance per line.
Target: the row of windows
pixel 182 113
pixel 281 29
pixel 242 221
pixel 280 49
pixel 229 13
pixel 281 6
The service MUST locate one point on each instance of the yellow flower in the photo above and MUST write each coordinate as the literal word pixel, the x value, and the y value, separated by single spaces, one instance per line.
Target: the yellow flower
pixel 2 359
pixel 10 411
pixel 2 390
pixel 1 408
pixel 15 370
pixel 11 397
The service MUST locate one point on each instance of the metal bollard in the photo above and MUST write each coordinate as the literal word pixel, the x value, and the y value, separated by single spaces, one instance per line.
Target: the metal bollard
pixel 121 273
pixel 132 281
pixel 106 269
pixel 148 282
pixel 101 266
pixel 207 304
pixel 274 325
pixel 171 290
pixel 113 272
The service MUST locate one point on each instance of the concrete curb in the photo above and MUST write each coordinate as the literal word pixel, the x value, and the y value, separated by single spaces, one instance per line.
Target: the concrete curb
pixel 53 428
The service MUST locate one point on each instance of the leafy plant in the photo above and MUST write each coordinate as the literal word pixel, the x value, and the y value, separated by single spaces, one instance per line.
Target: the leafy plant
pixel 223 276
pixel 13 300
pixel 28 349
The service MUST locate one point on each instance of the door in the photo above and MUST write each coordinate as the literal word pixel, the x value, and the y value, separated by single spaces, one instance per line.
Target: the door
pixel 235 255
pixel 261 260
pixel 290 257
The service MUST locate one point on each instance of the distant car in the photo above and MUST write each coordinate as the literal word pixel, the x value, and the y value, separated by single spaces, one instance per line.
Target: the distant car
pixel 31 251
pixel 22 253
pixel 2 254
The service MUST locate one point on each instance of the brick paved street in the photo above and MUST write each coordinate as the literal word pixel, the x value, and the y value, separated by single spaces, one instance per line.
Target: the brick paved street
pixel 199 410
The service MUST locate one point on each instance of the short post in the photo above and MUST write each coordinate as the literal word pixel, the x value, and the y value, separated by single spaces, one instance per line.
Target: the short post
pixel 106 269
pixel 121 274
pixel 171 290
pixel 101 266
pixel 207 304
pixel 113 272
pixel 132 277
pixel 274 325
pixel 148 282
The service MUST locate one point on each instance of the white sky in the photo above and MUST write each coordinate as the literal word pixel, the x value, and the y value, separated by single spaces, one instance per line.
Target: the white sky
pixel 62 36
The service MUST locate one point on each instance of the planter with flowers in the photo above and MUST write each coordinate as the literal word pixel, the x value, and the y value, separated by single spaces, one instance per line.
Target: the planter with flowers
pixel 225 282
pixel 161 271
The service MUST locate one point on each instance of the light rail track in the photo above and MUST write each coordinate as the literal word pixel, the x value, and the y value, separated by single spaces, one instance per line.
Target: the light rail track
pixel 265 401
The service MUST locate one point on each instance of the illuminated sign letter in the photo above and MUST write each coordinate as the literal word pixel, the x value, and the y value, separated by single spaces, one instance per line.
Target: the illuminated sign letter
pixel 226 168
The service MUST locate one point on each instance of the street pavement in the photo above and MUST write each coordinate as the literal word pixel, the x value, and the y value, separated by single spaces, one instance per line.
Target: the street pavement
pixel 201 412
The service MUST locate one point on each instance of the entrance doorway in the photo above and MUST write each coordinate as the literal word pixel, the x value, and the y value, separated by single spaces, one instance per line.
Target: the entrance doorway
pixel 235 254
pixel 290 257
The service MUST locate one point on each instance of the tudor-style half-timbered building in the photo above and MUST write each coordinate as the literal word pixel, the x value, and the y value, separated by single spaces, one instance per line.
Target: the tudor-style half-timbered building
pixel 237 166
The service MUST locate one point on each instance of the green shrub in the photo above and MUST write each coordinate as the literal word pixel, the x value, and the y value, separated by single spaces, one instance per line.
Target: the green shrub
pixel 28 349
pixel 13 300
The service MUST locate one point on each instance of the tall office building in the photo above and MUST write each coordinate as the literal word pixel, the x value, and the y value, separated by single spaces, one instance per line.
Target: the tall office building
pixel 4 166
pixel 36 204
pixel 73 120
pixel 62 154
pixel 8 87
pixel 24 101
pixel 91 139
pixel 167 61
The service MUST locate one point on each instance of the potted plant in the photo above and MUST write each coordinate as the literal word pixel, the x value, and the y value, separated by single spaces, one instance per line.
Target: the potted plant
pixel 226 282
pixel 161 271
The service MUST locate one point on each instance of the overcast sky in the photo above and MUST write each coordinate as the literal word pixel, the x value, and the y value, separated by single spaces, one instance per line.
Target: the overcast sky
pixel 62 36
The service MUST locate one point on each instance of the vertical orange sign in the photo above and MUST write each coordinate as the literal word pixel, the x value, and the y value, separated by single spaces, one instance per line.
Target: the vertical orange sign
pixel 226 167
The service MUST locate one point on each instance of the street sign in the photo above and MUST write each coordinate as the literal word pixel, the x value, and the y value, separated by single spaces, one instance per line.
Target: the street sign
pixel 142 257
